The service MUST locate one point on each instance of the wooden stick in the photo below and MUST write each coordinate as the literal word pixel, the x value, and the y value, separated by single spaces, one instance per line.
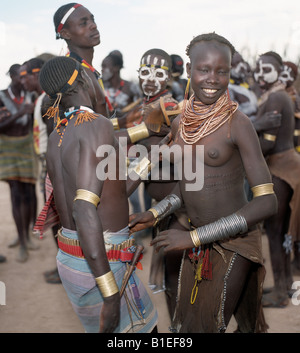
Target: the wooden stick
pixel 130 269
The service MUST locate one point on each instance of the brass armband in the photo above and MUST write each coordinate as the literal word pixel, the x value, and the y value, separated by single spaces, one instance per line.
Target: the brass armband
pixel 270 137
pixel 88 196
pixel 138 132
pixel 107 284
pixel 263 189
pixel 297 132
pixel 297 148
pixel 115 123
pixel 143 168
pixel 195 238
pixel 155 214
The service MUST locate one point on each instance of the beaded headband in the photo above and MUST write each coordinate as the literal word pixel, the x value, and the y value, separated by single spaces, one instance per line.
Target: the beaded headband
pixel 156 66
pixel 53 112
pixel 32 71
pixel 64 19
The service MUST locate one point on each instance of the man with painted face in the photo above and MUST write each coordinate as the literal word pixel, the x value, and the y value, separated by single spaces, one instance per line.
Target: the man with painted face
pixel 153 122
pixel 239 88
pixel 288 76
pixel 152 118
pixel 284 164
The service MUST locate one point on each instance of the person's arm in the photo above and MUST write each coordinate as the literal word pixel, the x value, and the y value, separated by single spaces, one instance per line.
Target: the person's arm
pixel 88 222
pixel 155 214
pixel 7 119
pixel 268 136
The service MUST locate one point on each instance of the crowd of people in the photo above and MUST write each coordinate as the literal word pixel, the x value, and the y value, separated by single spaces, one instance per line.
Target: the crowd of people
pixel 90 138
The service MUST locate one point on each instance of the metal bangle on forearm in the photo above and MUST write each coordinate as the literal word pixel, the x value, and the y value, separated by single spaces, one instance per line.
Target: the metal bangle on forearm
pixel 138 132
pixel 222 229
pixel 165 207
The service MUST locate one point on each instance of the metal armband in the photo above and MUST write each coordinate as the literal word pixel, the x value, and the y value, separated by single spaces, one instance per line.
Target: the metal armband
pixel 262 189
pixel 107 284
pixel 270 137
pixel 222 229
pixel 115 123
pixel 165 207
pixel 138 132
pixel 88 196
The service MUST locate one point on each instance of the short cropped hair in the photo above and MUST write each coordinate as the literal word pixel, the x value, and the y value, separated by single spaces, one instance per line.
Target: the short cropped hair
pixel 34 63
pixel 275 55
pixel 208 37
pixel 160 52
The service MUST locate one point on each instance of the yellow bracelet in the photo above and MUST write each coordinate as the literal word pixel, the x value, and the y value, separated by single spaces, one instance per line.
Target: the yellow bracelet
pixel 115 123
pixel 155 214
pixel 138 132
pixel 297 148
pixel 107 284
pixel 195 238
pixel 270 137
pixel 263 189
pixel 88 196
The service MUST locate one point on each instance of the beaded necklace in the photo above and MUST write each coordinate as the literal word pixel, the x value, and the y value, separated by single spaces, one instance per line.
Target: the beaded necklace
pixel 81 113
pixel 84 63
pixel 200 120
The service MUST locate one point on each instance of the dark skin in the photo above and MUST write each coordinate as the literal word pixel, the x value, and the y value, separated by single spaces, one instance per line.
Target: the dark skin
pixel 81 35
pixel 115 81
pixel 23 196
pixel 7 120
pixel 224 155
pixel 276 226
pixel 72 166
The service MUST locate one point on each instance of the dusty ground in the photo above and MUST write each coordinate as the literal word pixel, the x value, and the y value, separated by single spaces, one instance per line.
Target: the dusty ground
pixel 34 306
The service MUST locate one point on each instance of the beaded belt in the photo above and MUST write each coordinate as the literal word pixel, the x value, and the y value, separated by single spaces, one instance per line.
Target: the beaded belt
pixel 116 252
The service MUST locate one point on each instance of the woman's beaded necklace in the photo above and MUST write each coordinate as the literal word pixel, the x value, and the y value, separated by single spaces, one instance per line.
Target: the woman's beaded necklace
pixel 200 120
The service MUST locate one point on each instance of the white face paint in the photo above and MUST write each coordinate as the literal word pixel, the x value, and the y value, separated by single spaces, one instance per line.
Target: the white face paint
pixel 153 74
pixel 240 70
pixel 286 75
pixel 266 72
pixel 106 74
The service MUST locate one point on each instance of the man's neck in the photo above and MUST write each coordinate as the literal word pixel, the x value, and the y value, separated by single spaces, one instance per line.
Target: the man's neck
pixel 115 81
pixel 86 54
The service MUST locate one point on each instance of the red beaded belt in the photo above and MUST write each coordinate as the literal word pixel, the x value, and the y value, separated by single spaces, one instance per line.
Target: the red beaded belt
pixel 118 252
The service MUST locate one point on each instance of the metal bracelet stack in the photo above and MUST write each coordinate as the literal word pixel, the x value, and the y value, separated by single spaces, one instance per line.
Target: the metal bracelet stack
pixel 222 229
pixel 165 207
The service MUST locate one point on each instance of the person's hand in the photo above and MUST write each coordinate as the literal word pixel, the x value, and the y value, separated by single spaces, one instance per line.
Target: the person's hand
pixel 267 121
pixel 173 239
pixel 4 113
pixel 140 221
pixel 110 314
pixel 133 116
pixel 28 108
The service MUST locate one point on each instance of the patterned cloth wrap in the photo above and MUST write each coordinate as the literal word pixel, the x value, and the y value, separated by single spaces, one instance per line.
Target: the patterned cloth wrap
pixel 17 158
pixel 138 314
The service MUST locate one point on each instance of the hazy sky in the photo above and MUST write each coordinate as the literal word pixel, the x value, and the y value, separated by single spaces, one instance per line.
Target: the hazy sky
pixel 134 26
